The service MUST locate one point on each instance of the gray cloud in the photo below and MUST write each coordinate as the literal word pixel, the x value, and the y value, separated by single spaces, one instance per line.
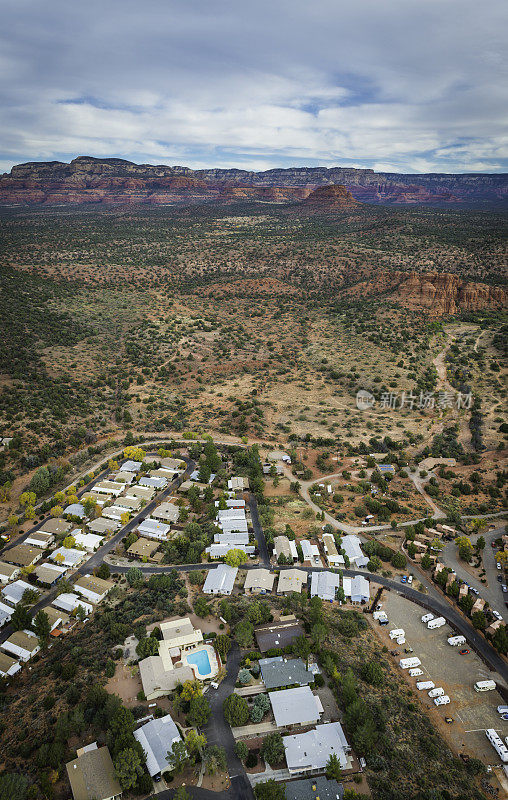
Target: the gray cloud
pixel 409 85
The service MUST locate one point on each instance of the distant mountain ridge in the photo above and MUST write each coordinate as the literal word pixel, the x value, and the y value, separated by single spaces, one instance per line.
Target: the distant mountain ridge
pixel 114 180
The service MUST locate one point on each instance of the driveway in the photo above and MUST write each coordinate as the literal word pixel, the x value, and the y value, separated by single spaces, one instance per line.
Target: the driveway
pixel 264 555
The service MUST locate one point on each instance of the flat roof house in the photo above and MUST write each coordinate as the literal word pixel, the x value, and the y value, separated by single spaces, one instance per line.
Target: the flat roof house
pixel 218 550
pixel 5 614
pixel 129 504
pixel 8 666
pixel 324 585
pixel 109 487
pixel 56 526
pixel 92 775
pixel 296 706
pixel 317 788
pixel 154 483
pixel 235 539
pixel 236 484
pixel 124 477
pixel 160 674
pixel 143 548
pixel 13 592
pixel 279 672
pixel 153 529
pixel 22 645
pixel 220 580
pixel 166 512
pixel 310 751
pixel 75 510
pixel 156 738
pixel 228 526
pixel 282 546
pixel 23 555
pixel 40 539
pixel 8 572
pixel 259 581
pixel 353 550
pixel 49 574
pixel 56 618
pixel 310 552
pixel 103 526
pixel 68 556
pixel 278 634
pixel 131 466
pixel 333 557
pixel 142 492
pixel 291 580
pixel 70 602
pixel 89 541
pixel 92 588
pixel 357 588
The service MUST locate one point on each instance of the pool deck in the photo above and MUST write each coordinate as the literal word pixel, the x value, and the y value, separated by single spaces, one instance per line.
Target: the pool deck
pixel 214 666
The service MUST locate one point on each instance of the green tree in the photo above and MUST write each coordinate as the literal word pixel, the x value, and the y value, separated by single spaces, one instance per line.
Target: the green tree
pixel 179 758
pixel 244 676
pixel 147 647
pixel 103 572
pixel 302 648
pixel 128 767
pixel 372 672
pixel 333 768
pixel 241 750
pixel 236 710
pixel 13 785
pixel 215 759
pixel 21 618
pixel 479 620
pixel 181 794
pixel 235 557
pixel 270 790
pixel 195 743
pixel 134 576
pixel 318 633
pixel 398 560
pixel 222 644
pixel 42 628
pixel 199 711
pixel 272 749
pixel 244 633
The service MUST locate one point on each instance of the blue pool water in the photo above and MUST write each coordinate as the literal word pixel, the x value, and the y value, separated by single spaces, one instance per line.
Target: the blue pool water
pixel 201 660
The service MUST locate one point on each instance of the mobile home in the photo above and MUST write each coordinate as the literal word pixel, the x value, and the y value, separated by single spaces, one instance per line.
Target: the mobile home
pixel 427 617
pixel 444 700
pixel 454 641
pixel 484 686
pixel 438 622
pixel 424 685
pixel 406 663
pixel 396 633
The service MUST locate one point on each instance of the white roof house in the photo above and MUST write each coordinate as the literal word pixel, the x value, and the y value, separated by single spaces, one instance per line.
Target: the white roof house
pixel 232 525
pixel 90 541
pixel 114 513
pixel 153 529
pixel 220 550
pixel 109 487
pixel 233 538
pixel 5 614
pixel 353 550
pixel 296 706
pixel 232 502
pixel 154 483
pixel 220 580
pixel 157 738
pixel 68 556
pixel 69 601
pixel 231 513
pixel 14 592
pixel 357 588
pixel 22 645
pixel 310 751
pixel 324 585
pixel 166 512
pixel 131 466
pixel 236 484
pixel 310 552
pixel 333 557
pixel 75 510
pixel 291 580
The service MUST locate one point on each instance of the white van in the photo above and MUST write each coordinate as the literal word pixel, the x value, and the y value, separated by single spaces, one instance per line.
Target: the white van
pixel 438 622
pixel 396 632
pixel 454 641
pixel 484 686
pixel 415 672
pixel 442 701
pixel 437 692
pixel 427 617
pixel 420 685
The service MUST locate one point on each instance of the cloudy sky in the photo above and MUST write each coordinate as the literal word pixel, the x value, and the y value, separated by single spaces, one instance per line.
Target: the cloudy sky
pixel 402 85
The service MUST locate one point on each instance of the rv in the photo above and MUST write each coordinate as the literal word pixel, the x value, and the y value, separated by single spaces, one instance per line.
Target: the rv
pixel 396 633
pixel 421 685
pixel 406 663
pixel 444 700
pixel 437 692
pixel 401 640
pixel 454 641
pixel 415 672
pixel 498 744
pixel 502 709
pixel 438 622
pixel 484 686
pixel 427 617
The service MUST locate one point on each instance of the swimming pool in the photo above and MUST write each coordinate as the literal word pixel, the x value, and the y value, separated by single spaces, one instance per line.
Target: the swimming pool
pixel 201 660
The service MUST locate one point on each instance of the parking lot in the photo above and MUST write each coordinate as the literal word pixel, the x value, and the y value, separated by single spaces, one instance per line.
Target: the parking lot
pixel 471 711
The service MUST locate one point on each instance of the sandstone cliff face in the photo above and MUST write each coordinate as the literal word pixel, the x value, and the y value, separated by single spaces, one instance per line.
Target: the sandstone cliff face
pixel 330 199
pixel 114 180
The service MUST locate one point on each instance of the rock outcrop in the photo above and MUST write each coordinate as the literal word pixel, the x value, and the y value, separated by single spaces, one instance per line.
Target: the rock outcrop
pixel 330 198
pixel 114 180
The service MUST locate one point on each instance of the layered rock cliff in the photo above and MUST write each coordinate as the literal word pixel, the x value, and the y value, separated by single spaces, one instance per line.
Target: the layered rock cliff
pixel 329 199
pixel 114 180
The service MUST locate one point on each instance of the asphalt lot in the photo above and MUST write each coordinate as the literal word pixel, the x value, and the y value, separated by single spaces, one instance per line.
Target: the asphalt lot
pixel 472 711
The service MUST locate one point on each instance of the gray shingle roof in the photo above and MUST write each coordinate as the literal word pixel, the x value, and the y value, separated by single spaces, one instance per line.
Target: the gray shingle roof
pixel 281 671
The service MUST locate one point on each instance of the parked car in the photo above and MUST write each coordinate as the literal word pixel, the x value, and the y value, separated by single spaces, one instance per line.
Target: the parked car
pixel 464 652
pixel 498 565
pixel 449 720
pixel 473 590
pixel 497 614
pixel 403 579
pixel 504 587
pixel 500 578
pixel 408 650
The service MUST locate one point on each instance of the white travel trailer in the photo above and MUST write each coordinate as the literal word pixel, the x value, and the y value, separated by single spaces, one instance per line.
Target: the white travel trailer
pixel 407 663
pixel 498 744
pixel 438 622
pixel 397 632
pixel 401 640
pixel 414 673
pixel 484 686
pixel 421 685
pixel 444 700
pixel 437 692
pixel 454 641
pixel 427 617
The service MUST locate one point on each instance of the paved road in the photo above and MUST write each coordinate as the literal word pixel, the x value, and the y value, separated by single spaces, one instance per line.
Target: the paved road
pixel 264 555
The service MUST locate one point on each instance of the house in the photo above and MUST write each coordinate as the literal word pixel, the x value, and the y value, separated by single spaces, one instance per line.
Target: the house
pixel 109 487
pixel 152 529
pixel 8 572
pixel 98 498
pixel 310 751
pixel 8 666
pixel 280 672
pixel 114 513
pixel 131 466
pixel 296 706
pixel 166 512
pixel 216 550
pixel 283 547
pixel 232 502
pixel 351 547
pixel 333 557
pixel 236 484
pixel 57 619
pixel 157 737
pixel 70 602
pixel 479 605
pixel 49 574
pixel 23 555
pixel 259 581
pixel 142 492
pixel 154 483
pixel 5 614
pixel 175 464
pixel 75 510
pixel 317 788
pixel 464 589
pixel 40 539
pixel 143 548
pixel 494 626
pixel 92 775
pixel 103 526
pixel 58 527
pixel 128 504
pixel 233 525
pixel 68 556
pixel 291 580
pixel 232 539
pixel 357 588
pixel 279 455
pixel 278 634
pixel 124 477
pixel 92 588
pixel 88 541
pixel 160 674
pixel 220 580
pixel 22 645
pixel 230 513
pixel 324 585
pixel 13 592
pixel 386 469
pixel 310 552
